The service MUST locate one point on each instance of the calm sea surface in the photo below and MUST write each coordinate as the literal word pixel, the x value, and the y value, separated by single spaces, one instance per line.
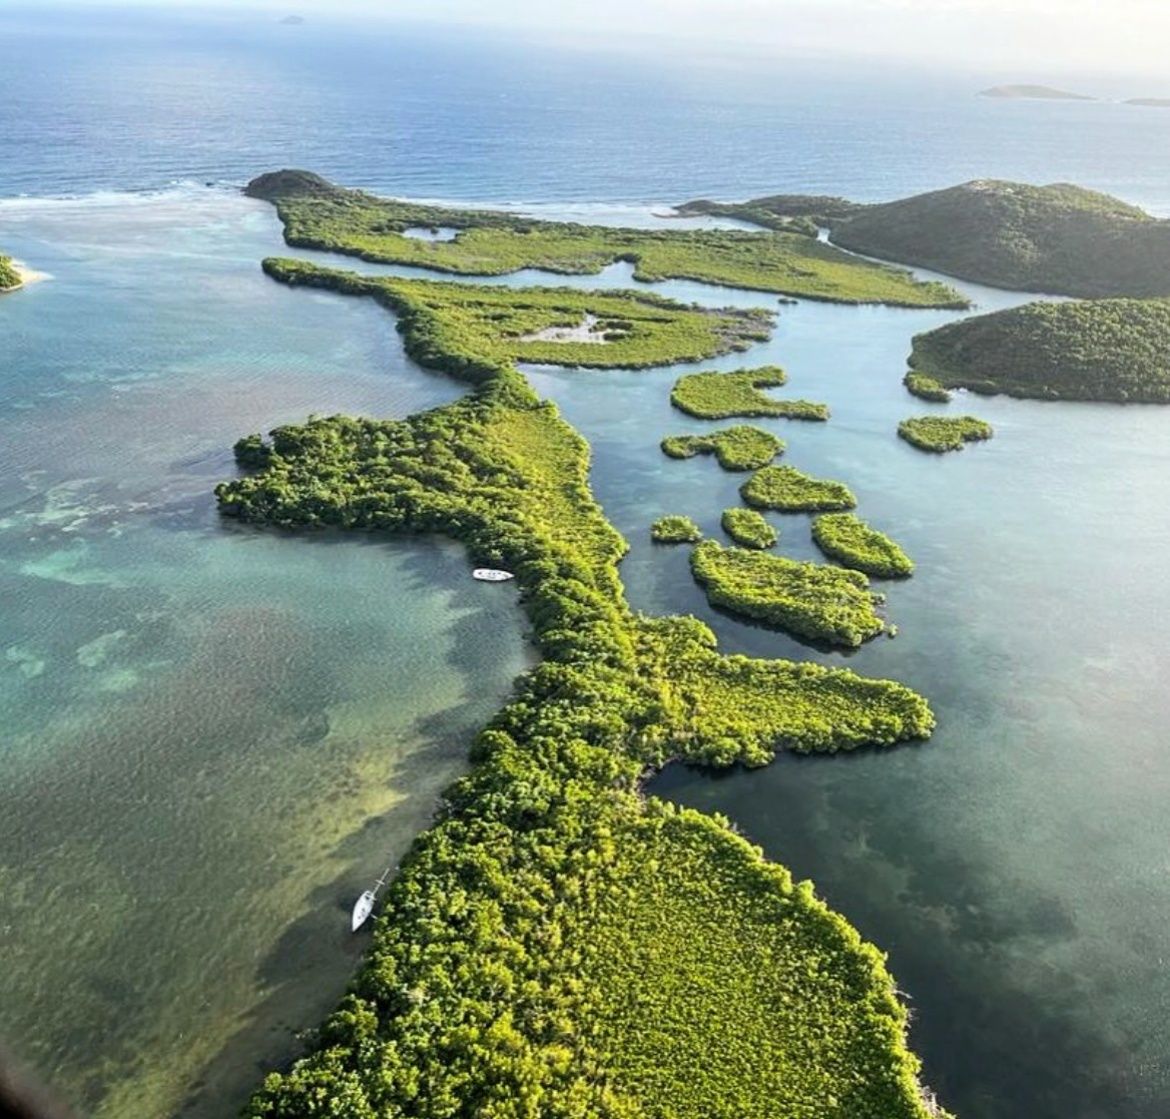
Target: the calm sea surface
pixel 211 738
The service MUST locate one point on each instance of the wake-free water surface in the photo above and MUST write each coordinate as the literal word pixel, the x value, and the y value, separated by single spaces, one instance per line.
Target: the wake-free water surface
pixel 213 737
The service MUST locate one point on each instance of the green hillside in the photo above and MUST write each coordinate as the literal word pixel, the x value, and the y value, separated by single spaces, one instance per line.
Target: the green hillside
pixel 1060 239
pixel 1108 349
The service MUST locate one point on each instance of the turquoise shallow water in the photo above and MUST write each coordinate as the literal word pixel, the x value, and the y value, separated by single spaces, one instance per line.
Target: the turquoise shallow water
pixel 213 737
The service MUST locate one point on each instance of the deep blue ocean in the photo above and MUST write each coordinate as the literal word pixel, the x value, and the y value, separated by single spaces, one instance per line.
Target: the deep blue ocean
pixel 130 101
pixel 212 738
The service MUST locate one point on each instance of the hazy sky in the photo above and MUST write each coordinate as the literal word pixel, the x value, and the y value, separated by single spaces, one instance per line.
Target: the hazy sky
pixel 1034 38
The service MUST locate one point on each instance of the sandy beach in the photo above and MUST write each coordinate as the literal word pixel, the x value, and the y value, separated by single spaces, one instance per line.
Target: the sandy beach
pixel 27 275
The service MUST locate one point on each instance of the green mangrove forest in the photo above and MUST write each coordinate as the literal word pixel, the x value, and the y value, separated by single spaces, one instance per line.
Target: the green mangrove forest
pixel 940 434
pixel 719 396
pixel 926 387
pixel 790 491
pixel 1059 238
pixel 318 215
pixel 1101 349
pixel 802 213
pixel 851 542
pixel 748 528
pixel 816 601
pixel 9 277
pixel 675 529
pixel 742 447
pixel 557 944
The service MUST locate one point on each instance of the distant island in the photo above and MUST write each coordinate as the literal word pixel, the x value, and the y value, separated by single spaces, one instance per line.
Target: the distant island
pixel 1149 102
pixel 1033 93
pixel 293 21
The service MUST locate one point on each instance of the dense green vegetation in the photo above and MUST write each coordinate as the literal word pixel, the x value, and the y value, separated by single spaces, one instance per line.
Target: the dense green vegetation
pixel 317 215
pixel 717 396
pixel 748 528
pixel 943 433
pixel 1060 238
pixel 742 447
pixel 460 327
pixel 850 541
pixel 926 388
pixel 1103 349
pixel 787 489
pixel 675 529
pixel 800 213
pixel 812 600
pixel 9 277
pixel 557 945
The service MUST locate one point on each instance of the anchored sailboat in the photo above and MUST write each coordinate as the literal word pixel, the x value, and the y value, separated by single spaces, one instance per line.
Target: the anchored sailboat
pixel 364 906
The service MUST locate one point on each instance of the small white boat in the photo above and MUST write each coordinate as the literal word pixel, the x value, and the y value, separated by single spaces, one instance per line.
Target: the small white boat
pixel 491 575
pixel 362 909
pixel 364 906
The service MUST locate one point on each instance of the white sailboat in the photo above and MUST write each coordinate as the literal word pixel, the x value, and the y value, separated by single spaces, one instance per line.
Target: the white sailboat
pixel 364 906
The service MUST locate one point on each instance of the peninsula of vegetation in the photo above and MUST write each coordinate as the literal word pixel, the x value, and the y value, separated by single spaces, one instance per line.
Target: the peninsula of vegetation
pixel 742 447
pixel 851 542
pixel 719 396
pixel 1102 349
pixel 926 388
pixel 790 491
pixel 748 528
pixel 508 324
pixel 804 213
pixel 318 215
pixel 10 277
pixel 675 529
pixel 1033 93
pixel 1060 239
pixel 815 601
pixel 557 944
pixel 940 434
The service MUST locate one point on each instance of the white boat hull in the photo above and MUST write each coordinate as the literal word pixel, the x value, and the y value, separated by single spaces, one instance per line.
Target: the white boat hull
pixel 362 909
pixel 491 575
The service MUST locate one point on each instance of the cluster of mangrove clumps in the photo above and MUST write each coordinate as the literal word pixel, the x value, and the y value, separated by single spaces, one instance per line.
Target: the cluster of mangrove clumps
pixel 718 396
pixel 851 542
pixel 556 944
pixel 816 601
pixel 791 491
pixel 748 528
pixel 318 215
pixel 675 529
pixel 9 277
pixel 939 434
pixel 742 447
pixel 1100 349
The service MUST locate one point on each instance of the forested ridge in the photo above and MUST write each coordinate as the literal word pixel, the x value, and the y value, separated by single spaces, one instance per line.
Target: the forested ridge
pixel 1101 349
